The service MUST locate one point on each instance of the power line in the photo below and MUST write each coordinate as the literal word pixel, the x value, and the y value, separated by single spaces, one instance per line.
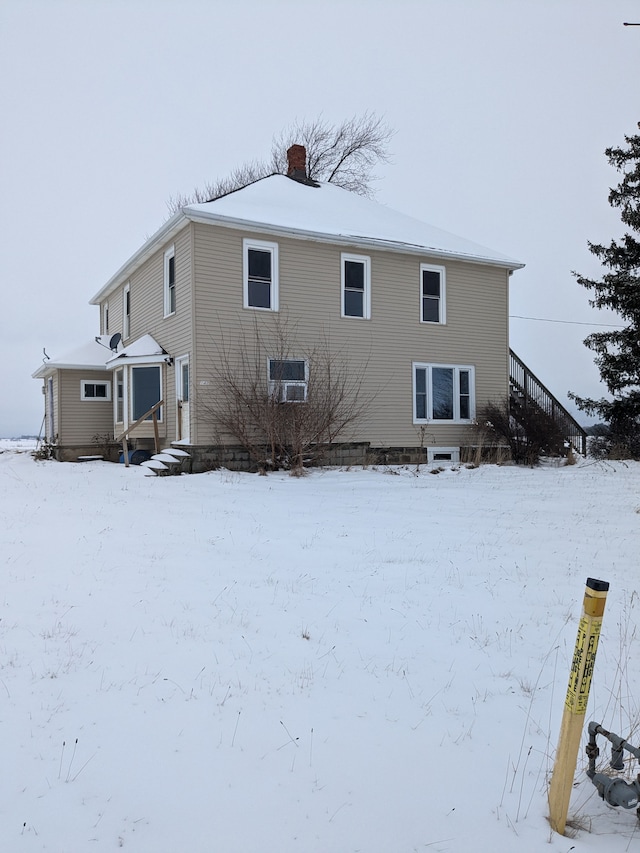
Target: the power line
pixel 569 322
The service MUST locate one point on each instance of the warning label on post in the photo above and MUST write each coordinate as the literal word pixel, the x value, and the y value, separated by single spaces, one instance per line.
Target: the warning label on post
pixel 584 658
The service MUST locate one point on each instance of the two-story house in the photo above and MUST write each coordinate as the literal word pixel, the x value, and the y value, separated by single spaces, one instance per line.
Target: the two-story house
pixel 415 316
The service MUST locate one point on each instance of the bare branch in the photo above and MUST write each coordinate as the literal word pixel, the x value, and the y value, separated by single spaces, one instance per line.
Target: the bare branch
pixel 277 434
pixel 343 154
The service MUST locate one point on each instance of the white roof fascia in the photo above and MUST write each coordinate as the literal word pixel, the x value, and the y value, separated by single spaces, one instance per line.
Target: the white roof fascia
pixel 120 360
pixel 162 235
pixel 52 366
pixel 348 240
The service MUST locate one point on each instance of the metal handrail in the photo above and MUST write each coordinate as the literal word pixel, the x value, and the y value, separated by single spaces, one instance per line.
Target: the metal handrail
pixel 527 384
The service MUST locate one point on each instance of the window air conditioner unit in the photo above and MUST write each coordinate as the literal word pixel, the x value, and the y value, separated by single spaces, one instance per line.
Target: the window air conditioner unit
pixel 292 392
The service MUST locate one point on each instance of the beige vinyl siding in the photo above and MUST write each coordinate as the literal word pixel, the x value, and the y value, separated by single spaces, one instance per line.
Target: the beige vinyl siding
pixel 381 349
pixel 173 333
pixel 78 421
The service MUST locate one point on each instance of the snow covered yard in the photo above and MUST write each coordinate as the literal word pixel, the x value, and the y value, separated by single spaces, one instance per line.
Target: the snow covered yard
pixel 366 660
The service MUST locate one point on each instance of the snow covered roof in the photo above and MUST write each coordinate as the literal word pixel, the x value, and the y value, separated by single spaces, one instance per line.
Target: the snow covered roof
pixel 144 350
pixel 96 355
pixel 90 356
pixel 280 206
pixel 328 212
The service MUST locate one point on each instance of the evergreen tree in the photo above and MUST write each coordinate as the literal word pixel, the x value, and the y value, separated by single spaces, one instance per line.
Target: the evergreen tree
pixel 618 351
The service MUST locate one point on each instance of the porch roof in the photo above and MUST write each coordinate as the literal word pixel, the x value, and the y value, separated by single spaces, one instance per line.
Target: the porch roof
pixel 89 356
pixel 144 350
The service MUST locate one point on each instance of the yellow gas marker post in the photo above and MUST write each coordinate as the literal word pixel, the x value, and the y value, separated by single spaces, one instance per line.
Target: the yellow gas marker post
pixel 575 706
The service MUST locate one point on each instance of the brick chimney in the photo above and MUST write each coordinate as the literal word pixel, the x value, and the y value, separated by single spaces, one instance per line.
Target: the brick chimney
pixel 297 163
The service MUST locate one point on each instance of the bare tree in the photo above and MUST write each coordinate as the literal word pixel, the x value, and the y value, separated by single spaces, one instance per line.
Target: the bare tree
pixel 344 154
pixel 251 410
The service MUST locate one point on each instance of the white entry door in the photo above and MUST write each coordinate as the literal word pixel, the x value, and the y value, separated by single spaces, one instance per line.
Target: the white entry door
pixel 182 397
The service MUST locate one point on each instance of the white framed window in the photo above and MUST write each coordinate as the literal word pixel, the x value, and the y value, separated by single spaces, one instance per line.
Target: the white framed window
pixel 92 390
pixel 288 380
pixel 443 392
pixel 260 275
pixel 146 390
pixel 170 281
pixel 126 311
pixel 443 454
pixel 433 293
pixel 105 318
pixel 119 402
pixel 356 286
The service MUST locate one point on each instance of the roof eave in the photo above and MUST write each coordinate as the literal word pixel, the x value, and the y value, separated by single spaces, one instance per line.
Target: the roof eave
pixel 52 366
pixel 164 233
pixel 348 240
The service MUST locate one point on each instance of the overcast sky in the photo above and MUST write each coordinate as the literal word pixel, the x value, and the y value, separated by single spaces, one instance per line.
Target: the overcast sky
pixel 502 111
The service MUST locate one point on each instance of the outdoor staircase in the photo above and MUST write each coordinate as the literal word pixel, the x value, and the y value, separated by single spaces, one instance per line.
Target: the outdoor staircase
pixel 527 390
pixel 168 461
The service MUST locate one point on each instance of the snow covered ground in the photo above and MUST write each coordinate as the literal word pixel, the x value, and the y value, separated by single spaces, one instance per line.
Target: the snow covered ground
pixel 364 660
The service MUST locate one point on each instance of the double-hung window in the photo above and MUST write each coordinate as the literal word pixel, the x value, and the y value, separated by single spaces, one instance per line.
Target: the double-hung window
pixel 260 275
pixel 356 286
pixel 169 282
pixel 432 294
pixel 288 380
pixel 126 311
pixel 443 392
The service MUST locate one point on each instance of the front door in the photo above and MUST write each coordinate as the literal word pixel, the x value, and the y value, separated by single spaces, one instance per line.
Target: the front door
pixel 182 397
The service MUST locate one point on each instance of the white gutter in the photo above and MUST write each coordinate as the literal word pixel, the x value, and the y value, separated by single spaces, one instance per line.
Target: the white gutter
pixel 162 235
pixel 349 240
pixel 178 220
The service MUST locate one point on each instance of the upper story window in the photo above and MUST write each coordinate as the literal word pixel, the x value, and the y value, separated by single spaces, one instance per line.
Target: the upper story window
pixel 288 380
pixel 356 286
pixel 126 311
pixel 443 392
pixel 90 390
pixel 169 282
pixel 432 294
pixel 105 318
pixel 260 275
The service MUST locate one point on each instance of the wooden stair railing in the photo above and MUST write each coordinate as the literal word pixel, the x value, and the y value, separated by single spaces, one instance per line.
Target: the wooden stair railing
pixel 153 412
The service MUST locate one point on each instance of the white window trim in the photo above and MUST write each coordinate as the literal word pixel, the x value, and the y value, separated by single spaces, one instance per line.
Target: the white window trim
pixel 452 452
pixel 105 318
pixel 365 260
pixel 83 386
pixel 126 318
pixel 278 388
pixel 170 253
pixel 262 246
pixel 130 407
pixel 418 365
pixel 442 313
pixel 124 396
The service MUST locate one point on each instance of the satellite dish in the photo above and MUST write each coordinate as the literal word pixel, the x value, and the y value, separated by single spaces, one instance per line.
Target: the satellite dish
pixel 115 340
